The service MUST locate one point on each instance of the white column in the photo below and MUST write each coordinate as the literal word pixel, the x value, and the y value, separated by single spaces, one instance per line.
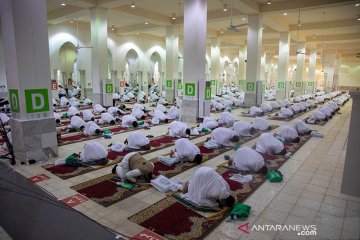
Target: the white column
pixel 300 68
pixel 195 20
pixel 26 53
pixel 242 68
pixel 312 68
pixel 329 70
pixel 172 53
pixel 3 82
pixel 282 85
pixel 254 40
pixel 263 66
pixel 99 51
pixel 215 66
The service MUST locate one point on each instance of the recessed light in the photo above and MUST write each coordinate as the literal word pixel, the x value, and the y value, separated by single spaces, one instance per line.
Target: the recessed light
pixel 269 2
pixel 262 28
pixel 285 13
pixel 146 23
pixel 132 5
pixel 63 4
pixel 357 4
pixel 244 19
pixel 71 21
pixel 173 16
pixel 314 36
pixel 137 33
pixel 225 8
pixel 358 18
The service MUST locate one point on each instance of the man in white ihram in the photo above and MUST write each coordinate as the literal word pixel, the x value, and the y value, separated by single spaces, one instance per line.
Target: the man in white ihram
pixel 222 137
pixel 179 129
pixel 269 144
pixel 93 152
pixel 243 129
pixel 138 141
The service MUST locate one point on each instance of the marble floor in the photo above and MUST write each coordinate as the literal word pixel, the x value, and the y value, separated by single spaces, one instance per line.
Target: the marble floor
pixel 309 195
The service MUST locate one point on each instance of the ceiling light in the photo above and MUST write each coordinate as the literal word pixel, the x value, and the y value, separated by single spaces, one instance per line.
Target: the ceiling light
pixel 137 33
pixel 113 28
pixel 299 24
pixel 262 28
pixel 268 2
pixel 244 19
pixel 314 36
pixel 71 21
pixel 285 13
pixel 146 23
pixel 358 18
pixel 63 4
pixel 225 8
pixel 173 16
pixel 221 31
pixel 357 4
pixel 132 5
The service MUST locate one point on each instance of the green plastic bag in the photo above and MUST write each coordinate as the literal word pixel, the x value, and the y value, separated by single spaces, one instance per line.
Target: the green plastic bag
pixel 106 132
pixel 239 211
pixel 140 123
pixel 65 115
pixel 274 176
pixel 204 130
pixel 128 186
pixel 73 161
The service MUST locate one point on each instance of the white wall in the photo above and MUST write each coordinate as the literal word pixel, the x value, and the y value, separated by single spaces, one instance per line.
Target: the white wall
pixel 3 81
pixel 349 74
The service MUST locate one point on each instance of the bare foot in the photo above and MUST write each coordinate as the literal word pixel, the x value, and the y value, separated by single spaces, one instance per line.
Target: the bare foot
pixel 185 187
pixel 172 152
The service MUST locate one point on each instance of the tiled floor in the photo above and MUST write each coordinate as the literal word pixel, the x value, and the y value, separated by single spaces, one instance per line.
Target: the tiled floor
pixel 309 195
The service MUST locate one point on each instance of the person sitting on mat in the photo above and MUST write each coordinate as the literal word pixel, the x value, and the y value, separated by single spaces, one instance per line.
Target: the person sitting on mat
pixel 261 124
pixel 185 151
pixel 88 115
pixel 107 118
pixel 269 144
pixel 243 129
pixel 208 188
pixel 98 108
pixel 137 141
pixel 134 166
pixel 77 123
pixel 248 160
pixel 222 137
pixel 209 123
pixel 91 129
pixel 288 133
pixel 128 121
pixel 73 111
pixel 226 119
pixel 179 129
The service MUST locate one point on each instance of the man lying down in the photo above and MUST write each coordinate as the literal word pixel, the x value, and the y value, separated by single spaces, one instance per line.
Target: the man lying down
pixel 94 154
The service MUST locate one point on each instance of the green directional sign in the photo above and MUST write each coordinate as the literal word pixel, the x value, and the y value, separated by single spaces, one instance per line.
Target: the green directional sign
pixel 14 100
pixel 37 100
pixel 298 84
pixel 220 84
pixel 281 85
pixel 169 83
pixel 190 89
pixel 212 82
pixel 241 83
pixel 250 86
pixel 208 93
pixel 108 88
pixel 179 86
pixel 310 84
pixel 263 88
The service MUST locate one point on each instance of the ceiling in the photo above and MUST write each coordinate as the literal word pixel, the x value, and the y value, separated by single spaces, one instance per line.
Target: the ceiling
pixel 326 25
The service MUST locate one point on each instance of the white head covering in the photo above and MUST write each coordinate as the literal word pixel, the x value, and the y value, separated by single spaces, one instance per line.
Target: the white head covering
pixel 269 144
pixel 247 159
pixel 93 151
pixel 261 124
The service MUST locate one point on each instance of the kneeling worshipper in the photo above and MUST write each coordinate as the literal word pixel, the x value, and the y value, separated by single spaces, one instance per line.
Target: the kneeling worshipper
pixel 275 105
pixel 125 98
pixel 134 166
pixel 265 107
pixel 284 113
pixel 269 144
pixel 141 97
pixel 243 129
pixel 98 108
pixel 174 113
pixel 94 153
pixel 185 151
pixel 128 121
pixel 64 102
pixel 77 123
pixel 4 118
pixel 73 111
pixel 107 118
pixel 316 116
pixel 138 113
pixel 138 141
pixel 302 128
pixel 56 116
pixel 179 129
pixel 261 124
pixel 162 101
pixel 248 160
pixel 74 102
pixel 159 116
pixel 88 115
pixel 255 111
pixel 226 119
pixel 91 129
pixel 207 188
pixel 87 102
pixel 161 108
pixel 209 123
pixel 288 133
pixel 222 137
pixel 114 111
pixel 139 106
pixel 295 108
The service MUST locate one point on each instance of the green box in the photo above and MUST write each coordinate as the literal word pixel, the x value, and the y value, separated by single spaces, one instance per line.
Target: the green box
pixel 169 83
pixel 212 82
pixel 281 85
pixel 298 84
pixel 190 89
pixel 310 84
pixel 14 100
pixel 220 84
pixel 241 83
pixel 108 88
pixel 208 93
pixel 37 100
pixel 250 86
pixel 179 86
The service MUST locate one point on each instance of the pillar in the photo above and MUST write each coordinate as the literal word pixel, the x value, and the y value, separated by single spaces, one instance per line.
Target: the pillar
pixel 26 53
pixel 254 40
pixel 329 70
pixel 172 53
pixel 312 68
pixel 3 82
pixel 300 69
pixel 99 51
pixel 216 83
pixel 195 22
pixel 242 68
pixel 282 84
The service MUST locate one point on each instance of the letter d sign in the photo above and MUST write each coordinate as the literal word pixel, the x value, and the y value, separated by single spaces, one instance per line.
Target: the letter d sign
pixel 37 100
pixel 189 89
pixel 14 100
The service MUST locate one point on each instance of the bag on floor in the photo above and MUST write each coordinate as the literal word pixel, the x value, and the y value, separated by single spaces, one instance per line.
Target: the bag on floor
pixel 274 176
pixel 73 161
pixel 240 211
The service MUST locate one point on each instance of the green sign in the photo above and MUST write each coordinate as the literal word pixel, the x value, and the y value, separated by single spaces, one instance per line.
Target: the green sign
pixel 108 88
pixel 310 84
pixel 241 83
pixel 190 89
pixel 37 100
pixel 169 83
pixel 263 88
pixel 207 93
pixel 212 82
pixel 220 84
pixel 281 85
pixel 250 86
pixel 14 100
pixel 179 86
pixel 298 84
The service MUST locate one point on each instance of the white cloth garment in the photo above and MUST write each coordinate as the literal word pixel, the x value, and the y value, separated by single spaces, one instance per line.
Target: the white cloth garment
pixel 207 186
pixel 64 102
pixel 160 107
pixel 185 151
pixel 77 122
pixel 266 107
pixel 113 110
pixel 127 120
pixel 285 113
pixel 160 115
pixel 106 118
pixel 261 124
pixel 222 136
pixel 288 132
pixel 177 129
pixel 139 106
pixel 118 147
pixel 90 128
pixel 93 151
pixel 174 113
pixel 241 128
pixel 226 118
pixel 301 127
pixel 73 111
pixel 4 118
pixel 88 115
pixel 209 123
pixel 87 101
pixel 56 116
pixel 137 112
pixel 123 169
pixel 255 111
pixel 137 140
pixel 99 109
pixel 269 144
pixel 247 159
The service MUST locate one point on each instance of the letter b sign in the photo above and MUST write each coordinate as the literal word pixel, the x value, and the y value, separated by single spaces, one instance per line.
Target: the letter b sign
pixel 37 100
